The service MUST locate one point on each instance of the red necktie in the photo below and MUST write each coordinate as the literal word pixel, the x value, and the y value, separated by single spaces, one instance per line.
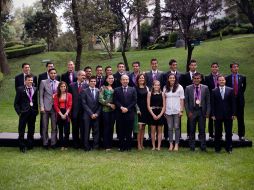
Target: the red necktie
pixel 79 87
pixel 235 86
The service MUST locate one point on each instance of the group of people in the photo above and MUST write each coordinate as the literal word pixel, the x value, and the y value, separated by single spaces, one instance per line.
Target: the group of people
pixel 129 101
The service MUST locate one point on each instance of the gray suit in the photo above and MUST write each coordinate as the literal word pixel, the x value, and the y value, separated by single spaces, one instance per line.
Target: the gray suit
pixel 46 103
pixel 199 113
pixel 90 106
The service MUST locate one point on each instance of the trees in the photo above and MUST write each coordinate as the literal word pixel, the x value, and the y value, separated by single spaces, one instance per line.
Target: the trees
pixel 247 7
pixel 156 25
pixel 4 8
pixel 187 14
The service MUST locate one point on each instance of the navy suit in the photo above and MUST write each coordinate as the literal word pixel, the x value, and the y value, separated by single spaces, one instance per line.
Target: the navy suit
pixel 90 106
pixel 223 110
pixel 27 114
pixel 149 78
pixel 66 77
pixel 20 80
pixel 240 101
pixel 125 120
pixel 77 113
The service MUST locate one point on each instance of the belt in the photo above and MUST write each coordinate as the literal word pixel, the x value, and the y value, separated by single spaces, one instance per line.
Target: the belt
pixel 156 107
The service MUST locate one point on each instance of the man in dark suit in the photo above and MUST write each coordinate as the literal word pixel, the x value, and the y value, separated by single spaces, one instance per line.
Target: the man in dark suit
pixel 154 74
pixel 100 79
pixel 186 80
pixel 77 112
pixel 117 76
pixel 88 71
pixel 92 109
pixel 211 82
pixel 223 111
pixel 172 69
pixel 125 99
pixel 26 106
pixel 134 74
pixel 238 83
pixel 197 106
pixel 20 79
pixel 71 75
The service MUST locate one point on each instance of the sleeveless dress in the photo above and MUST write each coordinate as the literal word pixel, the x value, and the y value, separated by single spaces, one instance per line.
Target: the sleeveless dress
pixel 156 101
pixel 142 104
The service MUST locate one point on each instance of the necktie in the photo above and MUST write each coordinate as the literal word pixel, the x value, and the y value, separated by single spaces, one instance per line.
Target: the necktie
pixel 125 90
pixel 30 92
pixel 154 76
pixel 93 92
pixel 235 85
pixel 71 77
pixel 53 86
pixel 99 79
pixel 79 87
pixel 222 93
pixel 197 93
pixel 215 80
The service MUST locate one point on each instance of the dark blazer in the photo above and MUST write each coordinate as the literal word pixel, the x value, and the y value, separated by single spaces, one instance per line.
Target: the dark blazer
pixel 65 77
pixel 19 81
pixel 226 108
pixel 76 99
pixel 129 100
pixel 102 82
pixel 209 82
pixel 89 104
pixel 117 80
pixel 165 77
pixel 149 78
pixel 44 76
pixel 22 102
pixel 131 82
pixel 205 99
pixel 241 87
pixel 186 80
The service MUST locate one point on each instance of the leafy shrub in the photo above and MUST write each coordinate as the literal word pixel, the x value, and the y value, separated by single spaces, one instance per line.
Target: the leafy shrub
pixel 238 30
pixel 14 47
pixel 25 51
pixel 173 37
pixel 12 43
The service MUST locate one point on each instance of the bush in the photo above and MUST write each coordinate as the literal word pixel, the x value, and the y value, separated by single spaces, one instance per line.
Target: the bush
pixel 25 51
pixel 238 30
pixel 173 37
pixel 14 47
pixel 1 76
pixel 12 43
pixel 160 46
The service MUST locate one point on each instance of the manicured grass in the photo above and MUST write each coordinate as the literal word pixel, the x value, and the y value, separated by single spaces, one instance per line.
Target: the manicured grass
pixel 75 169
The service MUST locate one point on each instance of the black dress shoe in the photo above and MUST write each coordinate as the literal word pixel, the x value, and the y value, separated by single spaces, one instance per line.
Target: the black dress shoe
pixel 229 151
pixel 53 147
pixel 203 150
pixel 242 139
pixel 22 149
pixel 46 147
pixel 87 149
pixel 192 149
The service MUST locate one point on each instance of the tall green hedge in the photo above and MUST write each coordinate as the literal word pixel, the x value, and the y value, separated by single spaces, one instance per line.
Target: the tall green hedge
pixel 34 49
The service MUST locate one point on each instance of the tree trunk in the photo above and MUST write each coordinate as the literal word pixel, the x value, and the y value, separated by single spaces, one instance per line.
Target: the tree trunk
pixel 124 46
pixel 139 30
pixel 190 50
pixel 111 42
pixel 78 33
pixel 3 61
pixel 106 46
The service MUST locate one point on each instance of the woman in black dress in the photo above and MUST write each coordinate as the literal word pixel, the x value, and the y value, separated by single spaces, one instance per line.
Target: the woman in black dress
pixel 156 107
pixel 143 114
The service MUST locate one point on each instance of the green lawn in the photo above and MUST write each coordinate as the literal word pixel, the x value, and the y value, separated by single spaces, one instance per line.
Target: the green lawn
pixel 74 169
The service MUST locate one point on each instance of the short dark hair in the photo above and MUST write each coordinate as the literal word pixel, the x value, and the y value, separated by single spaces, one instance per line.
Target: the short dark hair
pixel 98 66
pixel 120 63
pixel 87 67
pixel 193 61
pixel 107 68
pixel 197 74
pixel 234 63
pixel 52 70
pixel 215 63
pixel 221 76
pixel 28 76
pixel 24 64
pixel 172 61
pixel 153 59
pixel 49 63
pixel 136 62
pixel 92 77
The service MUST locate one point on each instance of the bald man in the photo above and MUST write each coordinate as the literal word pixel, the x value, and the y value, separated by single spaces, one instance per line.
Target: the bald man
pixel 71 75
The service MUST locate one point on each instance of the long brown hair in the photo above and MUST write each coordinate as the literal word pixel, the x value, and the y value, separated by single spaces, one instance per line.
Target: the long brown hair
pixel 175 86
pixel 139 75
pixel 58 88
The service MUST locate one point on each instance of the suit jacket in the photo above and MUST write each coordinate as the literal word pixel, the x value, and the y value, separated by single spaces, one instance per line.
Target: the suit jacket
pixel 68 102
pixel 223 108
pixel 165 77
pixel 76 99
pixel 129 101
pixel 149 78
pixel 89 104
pixel 44 76
pixel 65 77
pixel 205 99
pixel 46 95
pixel 22 101
pixel 131 82
pixel 186 80
pixel 241 87
pixel 210 82
pixel 99 85
pixel 19 81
